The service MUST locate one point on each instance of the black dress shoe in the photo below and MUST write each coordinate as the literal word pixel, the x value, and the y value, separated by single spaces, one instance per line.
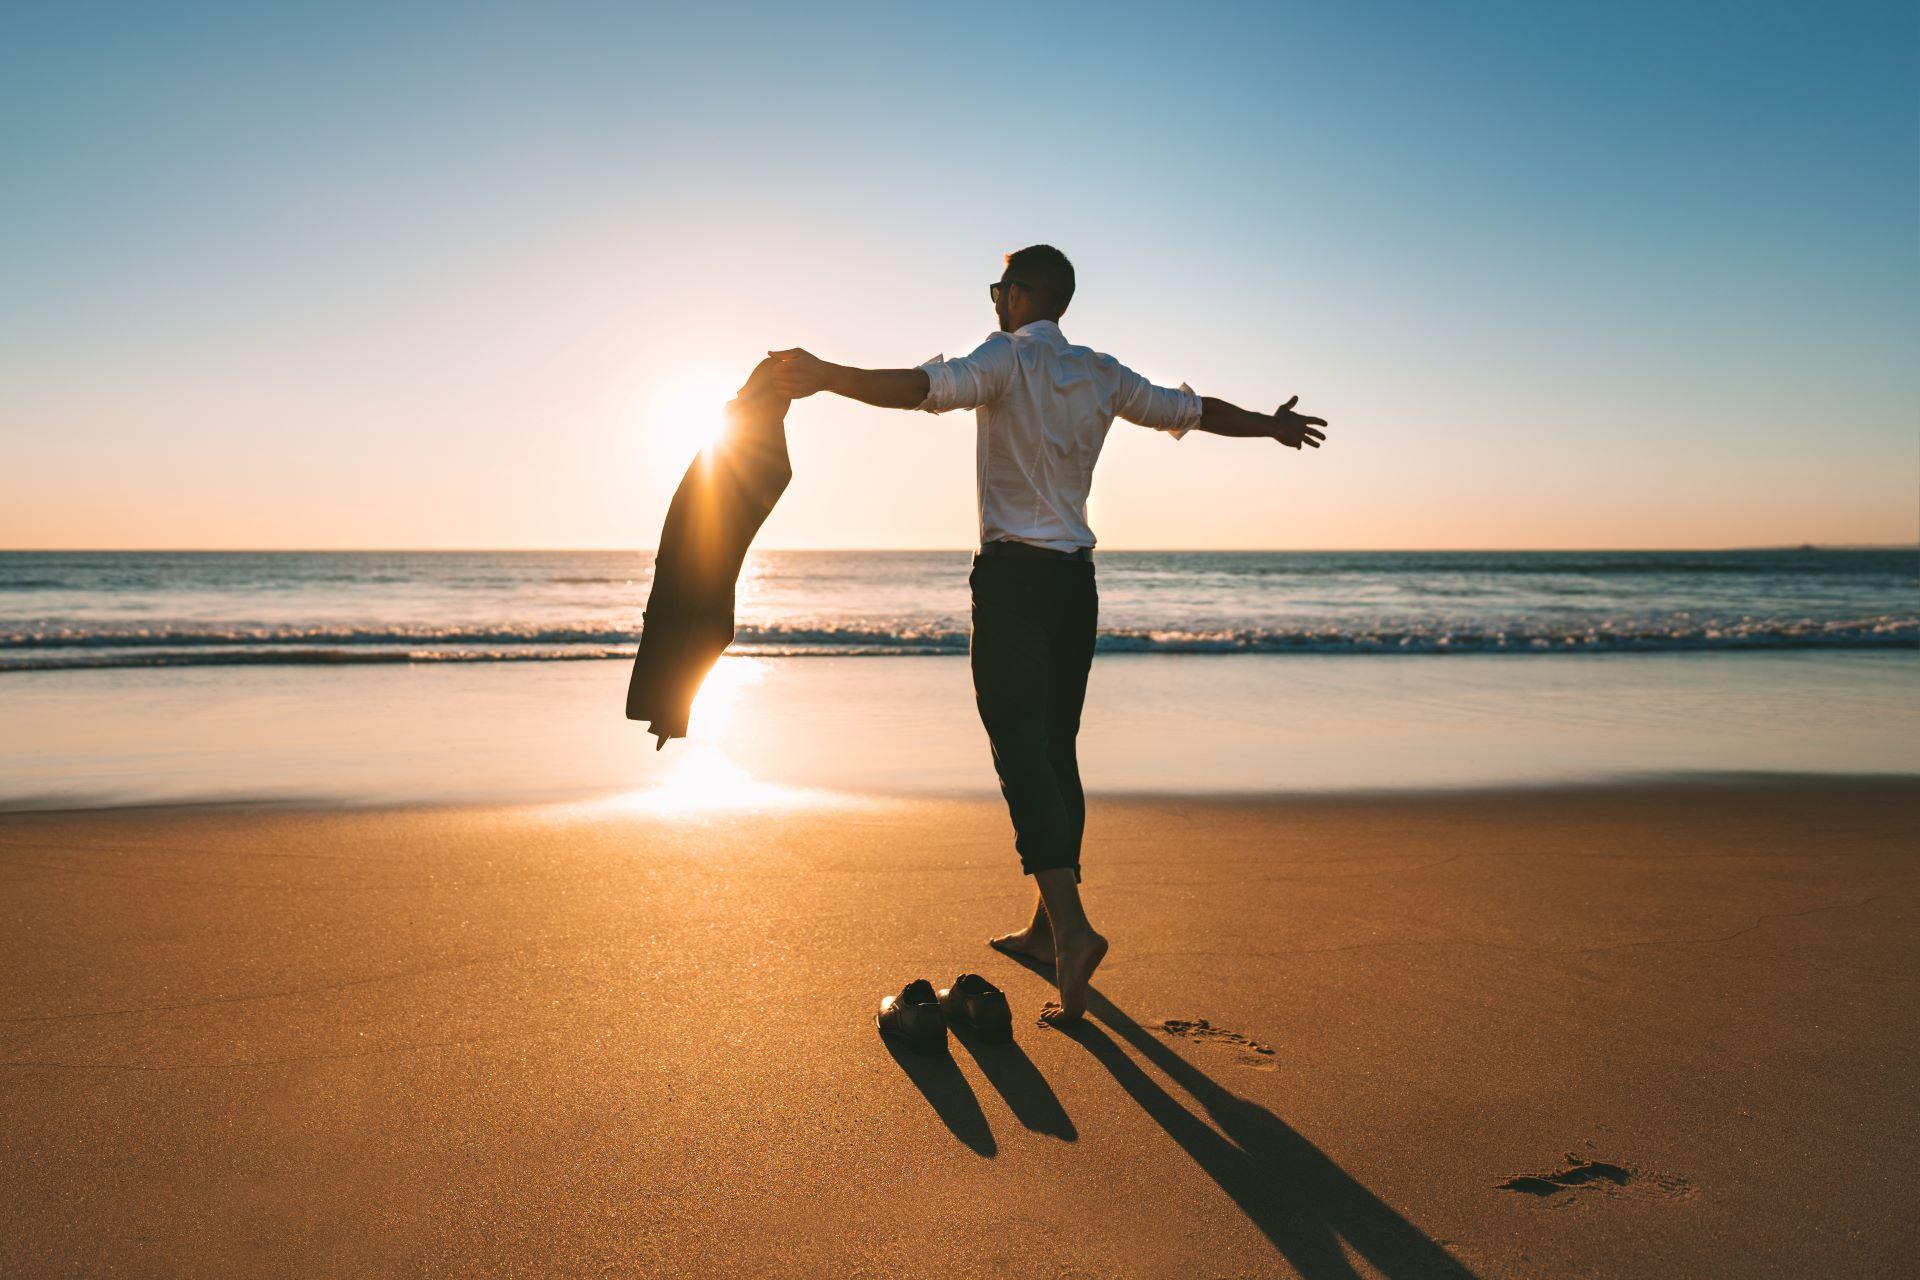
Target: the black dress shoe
pixel 979 1004
pixel 914 1016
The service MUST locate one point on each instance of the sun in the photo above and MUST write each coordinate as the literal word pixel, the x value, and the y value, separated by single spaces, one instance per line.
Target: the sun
pixel 684 414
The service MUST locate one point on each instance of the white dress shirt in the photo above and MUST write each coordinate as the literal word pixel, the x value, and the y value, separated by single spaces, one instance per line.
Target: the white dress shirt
pixel 1044 406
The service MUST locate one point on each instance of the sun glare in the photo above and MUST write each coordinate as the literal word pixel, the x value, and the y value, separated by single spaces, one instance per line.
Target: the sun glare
pixel 682 416
pixel 720 693
pixel 695 776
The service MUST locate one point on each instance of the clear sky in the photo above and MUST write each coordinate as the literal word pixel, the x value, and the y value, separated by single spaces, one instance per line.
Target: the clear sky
pixel 402 276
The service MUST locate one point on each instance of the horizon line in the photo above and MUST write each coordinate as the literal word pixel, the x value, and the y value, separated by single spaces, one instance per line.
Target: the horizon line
pixel 963 549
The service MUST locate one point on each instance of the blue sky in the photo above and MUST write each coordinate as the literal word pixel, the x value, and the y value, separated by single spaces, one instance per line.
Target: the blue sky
pixel 1604 276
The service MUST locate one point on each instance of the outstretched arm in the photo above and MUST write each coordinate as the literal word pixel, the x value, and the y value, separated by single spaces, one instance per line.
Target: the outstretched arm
pixel 1289 428
pixel 801 373
pixel 1177 412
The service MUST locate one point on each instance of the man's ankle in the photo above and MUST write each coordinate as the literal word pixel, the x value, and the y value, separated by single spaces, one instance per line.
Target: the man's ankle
pixel 1073 935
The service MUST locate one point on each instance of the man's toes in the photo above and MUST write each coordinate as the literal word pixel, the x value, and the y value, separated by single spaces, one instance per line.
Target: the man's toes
pixel 1054 1014
pixel 1016 944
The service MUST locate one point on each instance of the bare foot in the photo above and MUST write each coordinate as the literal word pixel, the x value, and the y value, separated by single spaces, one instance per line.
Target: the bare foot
pixel 1079 957
pixel 1034 944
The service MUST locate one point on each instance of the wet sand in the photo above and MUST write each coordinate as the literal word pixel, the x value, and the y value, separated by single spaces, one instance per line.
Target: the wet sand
pixel 1625 1030
pixel 535 732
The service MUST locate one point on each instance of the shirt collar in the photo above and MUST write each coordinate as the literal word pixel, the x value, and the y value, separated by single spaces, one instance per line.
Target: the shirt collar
pixel 1045 330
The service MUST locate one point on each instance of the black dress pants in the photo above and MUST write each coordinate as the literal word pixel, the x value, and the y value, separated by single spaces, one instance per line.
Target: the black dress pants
pixel 1033 631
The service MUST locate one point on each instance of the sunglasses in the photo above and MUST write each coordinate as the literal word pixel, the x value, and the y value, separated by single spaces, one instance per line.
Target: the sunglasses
pixel 993 290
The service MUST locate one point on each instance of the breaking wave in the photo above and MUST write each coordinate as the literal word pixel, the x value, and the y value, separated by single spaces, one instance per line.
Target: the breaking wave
pixel 60 648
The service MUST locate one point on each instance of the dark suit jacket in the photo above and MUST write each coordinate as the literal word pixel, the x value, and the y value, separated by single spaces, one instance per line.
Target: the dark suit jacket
pixel 719 507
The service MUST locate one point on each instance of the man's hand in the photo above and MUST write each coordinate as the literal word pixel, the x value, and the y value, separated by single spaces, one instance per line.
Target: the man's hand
pixel 799 373
pixel 1294 429
pixel 1283 424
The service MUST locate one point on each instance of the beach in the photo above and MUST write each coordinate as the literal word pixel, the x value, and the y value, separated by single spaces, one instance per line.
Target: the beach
pixel 1673 1019
pixel 542 588
pixel 1503 915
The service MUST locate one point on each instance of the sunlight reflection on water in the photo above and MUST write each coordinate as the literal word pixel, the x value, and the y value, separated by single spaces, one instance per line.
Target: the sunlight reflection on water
pixel 699 777
pixel 702 780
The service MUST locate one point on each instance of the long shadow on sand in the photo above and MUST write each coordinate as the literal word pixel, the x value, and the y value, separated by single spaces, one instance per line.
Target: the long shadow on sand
pixel 1007 1068
pixel 1028 1095
pixel 1302 1201
pixel 938 1078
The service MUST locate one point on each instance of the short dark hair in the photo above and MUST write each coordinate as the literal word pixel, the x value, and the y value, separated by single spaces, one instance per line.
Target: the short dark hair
pixel 1047 274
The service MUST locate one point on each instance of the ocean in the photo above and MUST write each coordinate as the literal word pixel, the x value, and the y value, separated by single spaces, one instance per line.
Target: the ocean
pixel 61 610
pixel 500 677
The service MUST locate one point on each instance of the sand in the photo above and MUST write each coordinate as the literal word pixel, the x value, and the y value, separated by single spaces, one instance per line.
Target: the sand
pixel 1613 1031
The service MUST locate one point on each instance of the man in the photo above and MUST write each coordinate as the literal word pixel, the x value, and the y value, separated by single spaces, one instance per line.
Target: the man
pixel 1043 408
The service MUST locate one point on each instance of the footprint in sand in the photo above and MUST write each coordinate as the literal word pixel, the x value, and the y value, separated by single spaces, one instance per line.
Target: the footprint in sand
pixel 1247 1051
pixel 1605 1177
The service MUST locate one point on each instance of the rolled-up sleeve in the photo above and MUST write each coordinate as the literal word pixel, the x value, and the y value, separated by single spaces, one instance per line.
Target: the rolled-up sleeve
pixel 969 381
pixel 1175 411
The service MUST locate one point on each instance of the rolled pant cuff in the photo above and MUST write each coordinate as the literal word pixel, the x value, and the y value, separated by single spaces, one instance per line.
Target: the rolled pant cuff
pixel 1028 869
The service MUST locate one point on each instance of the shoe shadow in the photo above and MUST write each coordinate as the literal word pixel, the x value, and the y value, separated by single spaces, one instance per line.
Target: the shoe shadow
pixel 1293 1193
pixel 1010 1071
pixel 946 1090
